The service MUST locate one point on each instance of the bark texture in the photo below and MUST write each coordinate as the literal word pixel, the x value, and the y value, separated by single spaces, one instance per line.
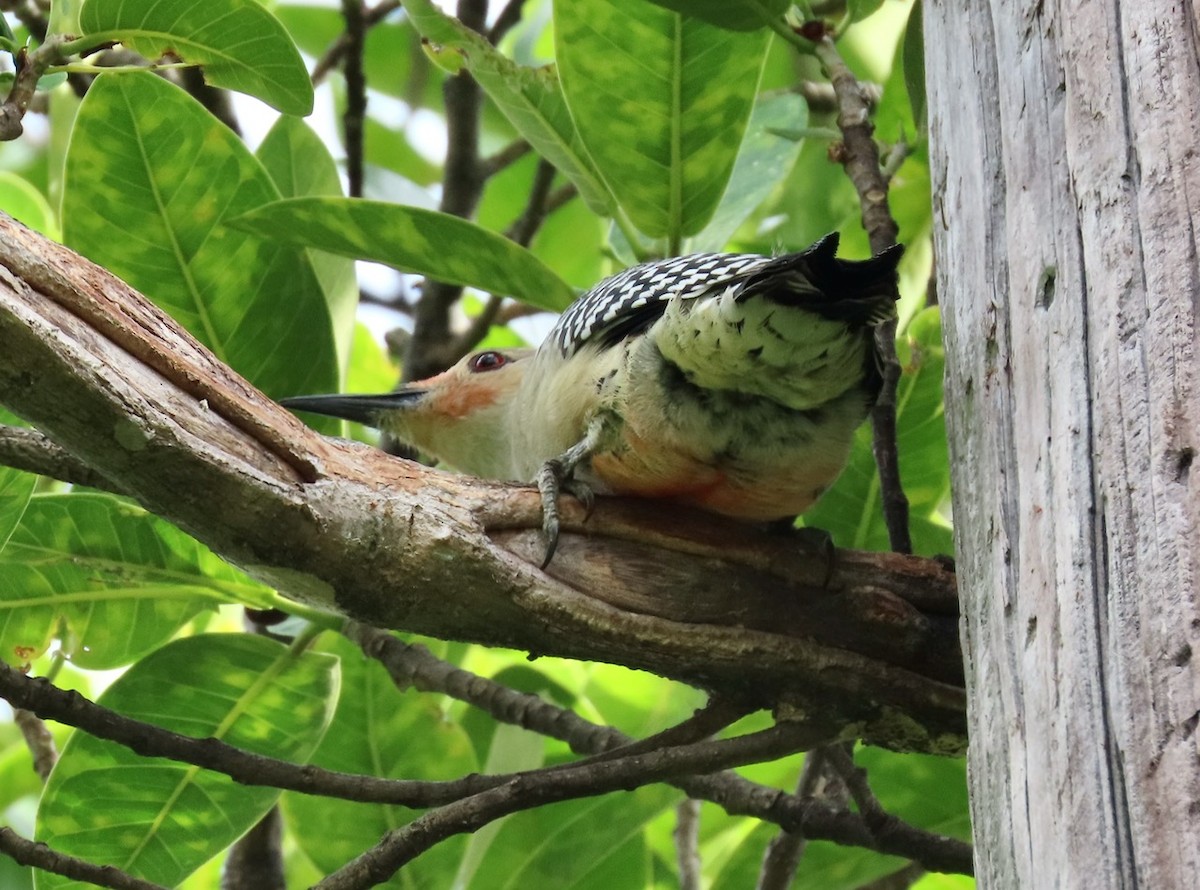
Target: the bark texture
pixel 1066 187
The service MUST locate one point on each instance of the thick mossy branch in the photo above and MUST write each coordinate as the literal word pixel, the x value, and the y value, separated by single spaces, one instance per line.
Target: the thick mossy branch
pixel 774 619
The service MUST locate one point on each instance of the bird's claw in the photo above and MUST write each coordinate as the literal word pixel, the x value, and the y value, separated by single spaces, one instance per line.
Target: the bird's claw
pixel 552 479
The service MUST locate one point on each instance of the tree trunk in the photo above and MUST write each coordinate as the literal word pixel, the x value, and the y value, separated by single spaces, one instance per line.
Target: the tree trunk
pixel 1065 179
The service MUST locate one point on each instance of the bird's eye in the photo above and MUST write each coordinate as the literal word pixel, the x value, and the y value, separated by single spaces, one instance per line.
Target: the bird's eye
pixel 487 361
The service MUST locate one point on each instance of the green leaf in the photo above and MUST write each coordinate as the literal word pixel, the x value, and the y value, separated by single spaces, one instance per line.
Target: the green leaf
pixel 301 166
pixel 926 791
pixel 64 17
pixel 22 201
pixel 151 179
pixel 14 876
pixel 49 81
pixel 764 158
pixel 860 9
pixel 392 150
pixel 122 580
pixel 736 15
pixel 530 98
pixel 662 102
pixel 378 731
pixel 589 844
pixel 913 58
pixel 240 44
pixel 15 489
pixel 160 819
pixel 370 369
pixel 423 242
pixel 851 510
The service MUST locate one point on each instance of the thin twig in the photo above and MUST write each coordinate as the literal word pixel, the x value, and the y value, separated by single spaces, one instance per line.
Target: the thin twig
pixel 333 55
pixel 356 93
pixel 527 224
pixel 479 326
pixel 687 844
pixel 39 741
pixel 584 780
pixel 47 701
pixel 256 861
pixel 505 157
pixel 783 854
pixel 51 703
pixel 704 723
pixel 856 782
pixel 38 855
pixel 860 158
pixel 509 16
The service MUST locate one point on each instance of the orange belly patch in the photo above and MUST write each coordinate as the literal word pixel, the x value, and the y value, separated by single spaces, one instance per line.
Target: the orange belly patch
pixel 753 493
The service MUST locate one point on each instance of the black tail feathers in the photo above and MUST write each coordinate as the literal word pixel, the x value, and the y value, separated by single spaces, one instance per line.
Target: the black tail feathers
pixel 859 292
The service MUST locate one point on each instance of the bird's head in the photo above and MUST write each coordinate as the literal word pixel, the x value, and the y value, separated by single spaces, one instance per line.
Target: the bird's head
pixel 460 416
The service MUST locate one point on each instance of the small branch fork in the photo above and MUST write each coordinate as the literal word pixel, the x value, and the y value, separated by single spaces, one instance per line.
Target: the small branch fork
pixel 32 65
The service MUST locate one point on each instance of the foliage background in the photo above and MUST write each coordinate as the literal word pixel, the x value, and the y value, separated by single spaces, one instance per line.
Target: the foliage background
pixel 109 600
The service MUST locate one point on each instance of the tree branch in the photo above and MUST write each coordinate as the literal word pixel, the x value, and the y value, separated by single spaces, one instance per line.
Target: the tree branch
pixel 356 93
pixel 48 702
pixel 509 16
pixel 39 741
pixel 687 844
pixel 31 66
pixel 783 854
pixel 37 855
pixel 860 158
pixel 255 862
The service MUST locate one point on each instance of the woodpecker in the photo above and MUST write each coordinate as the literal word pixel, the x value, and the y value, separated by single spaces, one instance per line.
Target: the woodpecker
pixel 732 382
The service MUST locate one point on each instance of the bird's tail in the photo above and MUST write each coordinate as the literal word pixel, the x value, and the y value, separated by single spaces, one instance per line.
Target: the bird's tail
pixel 858 292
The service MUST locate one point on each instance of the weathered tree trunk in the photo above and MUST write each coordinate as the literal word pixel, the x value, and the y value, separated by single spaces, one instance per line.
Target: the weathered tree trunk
pixel 1066 179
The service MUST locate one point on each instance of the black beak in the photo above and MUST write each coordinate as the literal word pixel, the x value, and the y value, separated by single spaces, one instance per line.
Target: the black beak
pixel 361 409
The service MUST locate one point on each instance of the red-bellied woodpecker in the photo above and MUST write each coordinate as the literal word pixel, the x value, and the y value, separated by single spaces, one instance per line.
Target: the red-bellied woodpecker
pixel 733 382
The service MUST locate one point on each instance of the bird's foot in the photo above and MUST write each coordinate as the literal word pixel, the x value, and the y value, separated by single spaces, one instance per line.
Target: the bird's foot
pixel 558 475
pixel 554 478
